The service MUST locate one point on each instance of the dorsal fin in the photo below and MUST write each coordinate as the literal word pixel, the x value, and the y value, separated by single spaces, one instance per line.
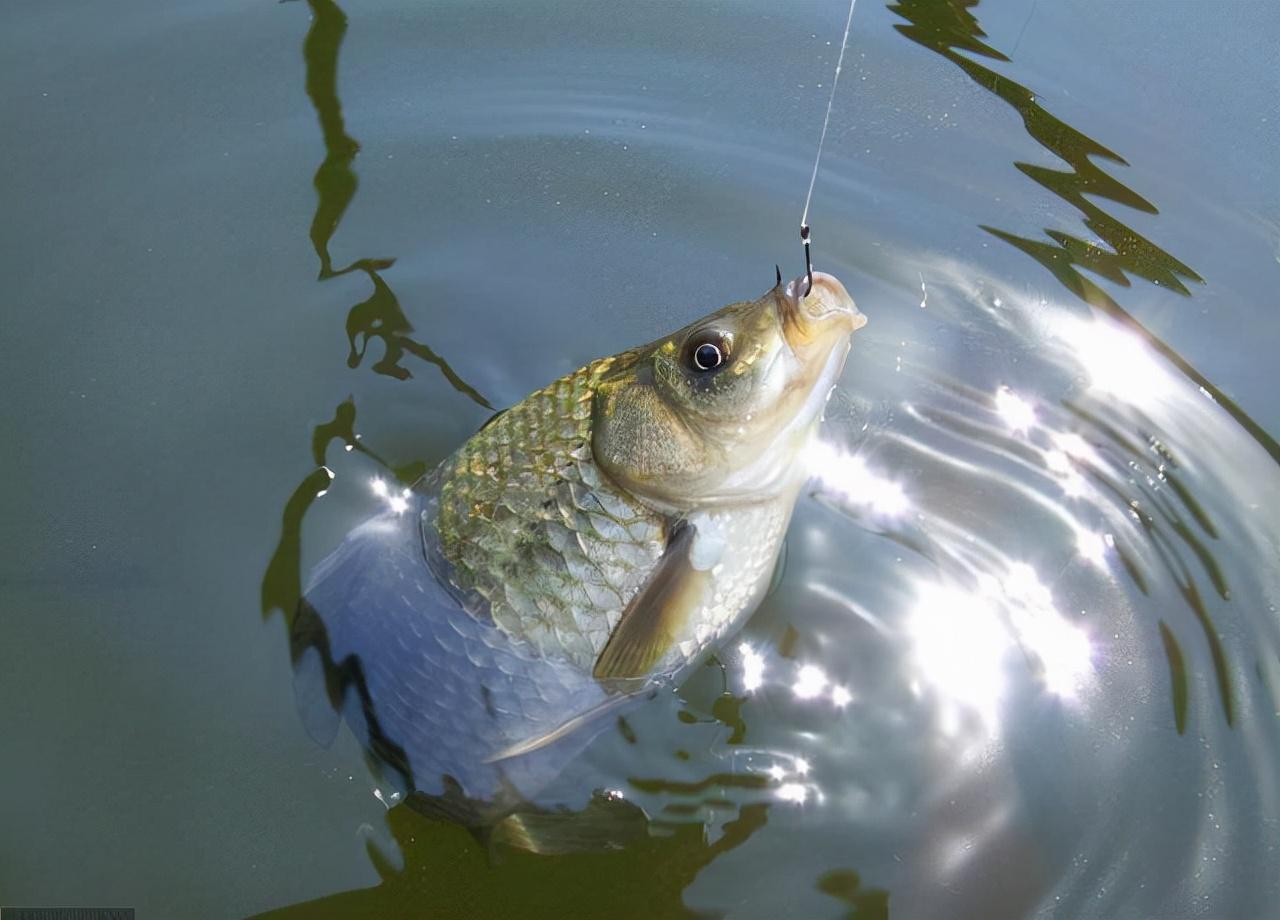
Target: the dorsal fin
pixel 657 613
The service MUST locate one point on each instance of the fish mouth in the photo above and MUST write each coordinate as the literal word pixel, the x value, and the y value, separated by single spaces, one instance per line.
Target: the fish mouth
pixel 817 311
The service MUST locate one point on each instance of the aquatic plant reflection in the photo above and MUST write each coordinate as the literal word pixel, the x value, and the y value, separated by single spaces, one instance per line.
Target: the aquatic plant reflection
pixel 1115 251
pixel 380 316
pixel 282 580
pixel 646 879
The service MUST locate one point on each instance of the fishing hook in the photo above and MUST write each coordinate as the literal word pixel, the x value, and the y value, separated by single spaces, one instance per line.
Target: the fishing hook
pixel 808 262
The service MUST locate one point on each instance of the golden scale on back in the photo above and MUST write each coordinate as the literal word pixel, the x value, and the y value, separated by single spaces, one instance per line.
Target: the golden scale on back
pixel 528 523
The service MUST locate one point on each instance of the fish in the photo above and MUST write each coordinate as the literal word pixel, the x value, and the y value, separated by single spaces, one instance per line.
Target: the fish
pixel 586 548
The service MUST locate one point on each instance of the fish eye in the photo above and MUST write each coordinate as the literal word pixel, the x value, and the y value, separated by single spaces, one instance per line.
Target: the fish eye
pixel 707 352
pixel 707 357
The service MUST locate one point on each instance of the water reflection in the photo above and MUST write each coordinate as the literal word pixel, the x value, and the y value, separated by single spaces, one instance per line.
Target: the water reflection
pixel 380 316
pixel 949 28
pixel 847 477
pixel 864 903
pixel 1065 536
pixel 1065 540
pixel 1117 500
pixel 989 585
pixel 962 643
pixel 282 580
pixel 647 879
pixel 431 829
pixel 1123 486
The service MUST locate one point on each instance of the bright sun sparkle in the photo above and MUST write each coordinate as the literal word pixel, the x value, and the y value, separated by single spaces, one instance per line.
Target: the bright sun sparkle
pixel 1058 462
pixel 752 667
pixel 1092 546
pixel 1068 454
pixel 1018 414
pixel 793 792
pixel 959 646
pixel 397 503
pixel 1022 584
pixel 1116 361
pixel 1062 647
pixel 962 639
pixel 1074 446
pixel 852 480
pixel 810 682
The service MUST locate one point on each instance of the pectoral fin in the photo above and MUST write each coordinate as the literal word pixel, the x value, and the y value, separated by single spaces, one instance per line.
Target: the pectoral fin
pixel 657 613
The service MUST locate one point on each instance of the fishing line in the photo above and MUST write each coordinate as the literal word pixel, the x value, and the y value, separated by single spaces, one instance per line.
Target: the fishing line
pixel 822 139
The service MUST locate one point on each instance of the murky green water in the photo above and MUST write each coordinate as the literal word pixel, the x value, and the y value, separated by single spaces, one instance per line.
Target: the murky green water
pixel 1025 655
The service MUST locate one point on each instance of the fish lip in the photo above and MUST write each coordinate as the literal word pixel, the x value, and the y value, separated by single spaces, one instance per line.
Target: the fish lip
pixel 805 308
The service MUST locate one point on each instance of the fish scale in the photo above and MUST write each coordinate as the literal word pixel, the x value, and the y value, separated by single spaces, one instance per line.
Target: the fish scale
pixel 554 549
pixel 446 688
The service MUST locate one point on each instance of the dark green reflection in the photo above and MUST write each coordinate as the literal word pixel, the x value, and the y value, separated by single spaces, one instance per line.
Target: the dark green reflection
pixel 1166 530
pixel 282 581
pixel 948 28
pixel 864 903
pixel 449 873
pixel 1177 676
pixel 380 316
pixel 335 181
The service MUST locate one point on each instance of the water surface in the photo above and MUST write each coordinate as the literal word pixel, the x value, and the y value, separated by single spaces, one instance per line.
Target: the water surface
pixel 1024 658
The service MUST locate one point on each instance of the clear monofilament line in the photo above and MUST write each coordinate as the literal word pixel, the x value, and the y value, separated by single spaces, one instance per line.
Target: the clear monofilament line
pixel 822 138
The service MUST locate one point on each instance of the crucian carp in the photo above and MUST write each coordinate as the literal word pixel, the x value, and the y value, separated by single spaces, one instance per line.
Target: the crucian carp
pixel 598 538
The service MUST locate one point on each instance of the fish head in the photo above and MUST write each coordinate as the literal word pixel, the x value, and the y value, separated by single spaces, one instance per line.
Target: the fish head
pixel 719 412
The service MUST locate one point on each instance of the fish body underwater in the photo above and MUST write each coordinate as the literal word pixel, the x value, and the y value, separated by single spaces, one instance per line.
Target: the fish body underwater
pixel 588 545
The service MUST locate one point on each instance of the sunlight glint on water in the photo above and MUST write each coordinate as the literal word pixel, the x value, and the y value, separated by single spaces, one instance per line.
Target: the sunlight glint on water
pixel 1028 601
